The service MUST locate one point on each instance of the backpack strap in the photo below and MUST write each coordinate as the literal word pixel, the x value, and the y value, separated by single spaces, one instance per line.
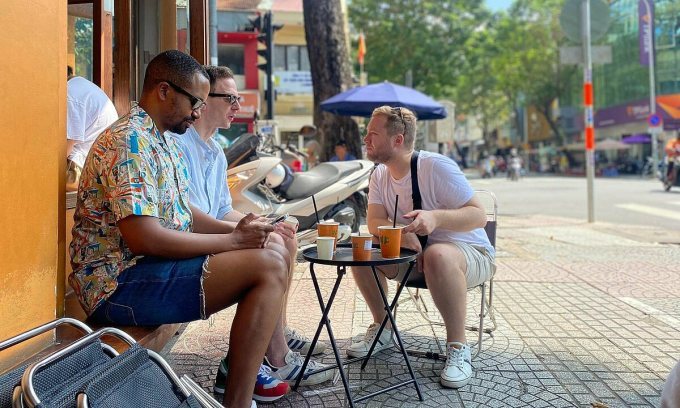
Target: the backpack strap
pixel 415 193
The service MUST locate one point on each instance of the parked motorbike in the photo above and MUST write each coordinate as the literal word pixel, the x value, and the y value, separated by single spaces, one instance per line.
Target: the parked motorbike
pixel 666 180
pixel 261 183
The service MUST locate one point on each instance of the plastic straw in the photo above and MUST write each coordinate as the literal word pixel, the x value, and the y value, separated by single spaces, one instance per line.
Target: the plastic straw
pixel 316 212
pixel 396 205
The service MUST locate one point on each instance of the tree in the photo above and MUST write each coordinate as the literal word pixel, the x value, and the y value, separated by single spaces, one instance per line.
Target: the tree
pixel 477 90
pixel 528 62
pixel 330 68
pixel 424 36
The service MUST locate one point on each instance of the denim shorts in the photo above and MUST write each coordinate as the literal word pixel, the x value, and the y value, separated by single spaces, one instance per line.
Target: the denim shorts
pixel 156 291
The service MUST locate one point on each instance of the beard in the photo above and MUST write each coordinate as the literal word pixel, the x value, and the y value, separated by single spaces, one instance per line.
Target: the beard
pixel 181 127
pixel 378 157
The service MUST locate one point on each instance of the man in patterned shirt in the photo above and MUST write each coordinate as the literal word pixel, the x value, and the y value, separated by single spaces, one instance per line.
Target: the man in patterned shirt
pixel 142 255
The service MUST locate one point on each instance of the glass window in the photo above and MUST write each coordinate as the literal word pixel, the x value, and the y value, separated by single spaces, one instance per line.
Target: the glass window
pixel 293 58
pixel 231 55
pixel 279 58
pixel 80 33
pixel 304 58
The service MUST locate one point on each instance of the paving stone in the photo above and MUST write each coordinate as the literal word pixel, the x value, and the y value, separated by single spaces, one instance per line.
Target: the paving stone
pixel 584 313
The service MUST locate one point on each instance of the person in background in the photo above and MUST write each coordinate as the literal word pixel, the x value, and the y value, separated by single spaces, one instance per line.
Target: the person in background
pixel 208 191
pixel 672 151
pixel 89 111
pixel 341 153
pixel 313 149
pixel 142 255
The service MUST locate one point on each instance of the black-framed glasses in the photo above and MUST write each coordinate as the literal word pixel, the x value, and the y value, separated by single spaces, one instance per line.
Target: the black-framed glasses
pixel 232 99
pixel 196 102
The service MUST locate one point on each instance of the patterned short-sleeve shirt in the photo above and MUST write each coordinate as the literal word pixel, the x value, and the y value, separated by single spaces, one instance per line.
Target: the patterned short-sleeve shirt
pixel 132 169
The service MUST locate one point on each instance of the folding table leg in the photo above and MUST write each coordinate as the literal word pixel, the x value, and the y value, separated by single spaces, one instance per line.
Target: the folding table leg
pixel 388 310
pixel 325 308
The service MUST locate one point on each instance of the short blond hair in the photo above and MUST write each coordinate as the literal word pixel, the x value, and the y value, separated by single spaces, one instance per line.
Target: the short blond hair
pixel 399 120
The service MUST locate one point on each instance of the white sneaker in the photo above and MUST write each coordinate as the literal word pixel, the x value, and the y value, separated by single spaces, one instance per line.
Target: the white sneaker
pixel 360 348
pixel 458 368
pixel 253 404
pixel 290 371
pixel 298 342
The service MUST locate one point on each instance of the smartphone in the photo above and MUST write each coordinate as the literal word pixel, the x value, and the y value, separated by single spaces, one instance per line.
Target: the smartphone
pixel 278 219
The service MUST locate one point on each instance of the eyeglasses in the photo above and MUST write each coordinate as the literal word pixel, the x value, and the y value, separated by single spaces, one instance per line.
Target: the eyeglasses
pixel 232 99
pixel 196 102
pixel 401 116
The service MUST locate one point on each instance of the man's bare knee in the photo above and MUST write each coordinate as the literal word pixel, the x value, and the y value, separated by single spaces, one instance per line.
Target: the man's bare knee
pixel 443 259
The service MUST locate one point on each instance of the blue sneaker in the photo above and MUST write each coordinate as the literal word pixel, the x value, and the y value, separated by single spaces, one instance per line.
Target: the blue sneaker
pixel 267 387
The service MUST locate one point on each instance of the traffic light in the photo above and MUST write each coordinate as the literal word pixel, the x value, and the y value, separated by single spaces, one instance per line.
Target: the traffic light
pixel 266 29
pixel 254 24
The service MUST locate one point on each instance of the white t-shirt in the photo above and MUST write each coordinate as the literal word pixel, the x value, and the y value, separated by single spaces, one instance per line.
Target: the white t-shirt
pixel 442 186
pixel 89 112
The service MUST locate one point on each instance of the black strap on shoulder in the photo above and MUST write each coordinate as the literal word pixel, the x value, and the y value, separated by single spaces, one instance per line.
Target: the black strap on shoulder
pixel 415 193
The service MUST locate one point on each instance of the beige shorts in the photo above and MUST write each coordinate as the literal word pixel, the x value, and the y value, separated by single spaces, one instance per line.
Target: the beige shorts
pixel 481 266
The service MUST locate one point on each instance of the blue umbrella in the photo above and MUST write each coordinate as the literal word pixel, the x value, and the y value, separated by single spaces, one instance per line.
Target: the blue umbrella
pixel 361 101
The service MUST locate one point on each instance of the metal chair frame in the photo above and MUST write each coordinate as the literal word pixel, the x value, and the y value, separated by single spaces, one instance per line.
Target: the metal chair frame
pixel 486 307
pixel 19 338
pixel 24 395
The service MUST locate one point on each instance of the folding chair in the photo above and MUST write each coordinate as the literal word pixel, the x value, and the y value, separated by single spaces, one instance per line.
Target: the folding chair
pixel 10 389
pixel 70 376
pixel 413 287
pixel 90 373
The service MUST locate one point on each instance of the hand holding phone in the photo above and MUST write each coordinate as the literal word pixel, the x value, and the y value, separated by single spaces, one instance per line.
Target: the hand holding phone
pixel 278 219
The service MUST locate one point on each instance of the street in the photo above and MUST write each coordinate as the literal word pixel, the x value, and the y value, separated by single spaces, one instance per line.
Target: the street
pixel 631 201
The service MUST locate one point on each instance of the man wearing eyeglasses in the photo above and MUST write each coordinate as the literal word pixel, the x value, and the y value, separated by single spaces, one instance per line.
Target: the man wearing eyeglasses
pixel 143 255
pixel 447 232
pixel 209 191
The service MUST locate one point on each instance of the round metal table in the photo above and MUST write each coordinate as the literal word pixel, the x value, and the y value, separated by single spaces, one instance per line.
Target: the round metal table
pixel 341 260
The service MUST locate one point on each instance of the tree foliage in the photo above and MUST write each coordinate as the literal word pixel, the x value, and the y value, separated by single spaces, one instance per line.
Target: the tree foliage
pixel 487 64
pixel 424 36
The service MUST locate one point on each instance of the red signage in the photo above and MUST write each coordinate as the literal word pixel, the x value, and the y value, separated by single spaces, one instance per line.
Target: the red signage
pixel 250 105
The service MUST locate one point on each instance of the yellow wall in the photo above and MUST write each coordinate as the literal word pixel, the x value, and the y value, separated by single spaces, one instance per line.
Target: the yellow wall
pixel 33 94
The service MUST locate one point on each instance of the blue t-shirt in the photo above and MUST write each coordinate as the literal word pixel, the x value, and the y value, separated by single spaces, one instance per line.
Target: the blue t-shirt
pixel 207 166
pixel 348 156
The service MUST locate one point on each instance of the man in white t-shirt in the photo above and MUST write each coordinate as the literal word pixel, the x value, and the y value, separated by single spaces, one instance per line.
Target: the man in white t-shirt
pixel 457 254
pixel 89 112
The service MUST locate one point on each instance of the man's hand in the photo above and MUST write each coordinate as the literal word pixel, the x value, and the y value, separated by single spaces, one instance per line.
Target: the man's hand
pixel 286 230
pixel 423 223
pixel 250 233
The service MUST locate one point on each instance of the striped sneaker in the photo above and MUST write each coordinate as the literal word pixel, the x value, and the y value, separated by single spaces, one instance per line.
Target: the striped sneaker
pixel 290 371
pixel 267 388
pixel 360 348
pixel 301 344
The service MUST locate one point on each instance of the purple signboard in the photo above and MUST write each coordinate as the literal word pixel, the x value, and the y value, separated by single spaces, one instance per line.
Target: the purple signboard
pixel 617 115
pixel 645 30
pixel 667 106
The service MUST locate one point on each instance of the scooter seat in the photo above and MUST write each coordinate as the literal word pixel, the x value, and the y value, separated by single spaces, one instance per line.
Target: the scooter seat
pixel 325 174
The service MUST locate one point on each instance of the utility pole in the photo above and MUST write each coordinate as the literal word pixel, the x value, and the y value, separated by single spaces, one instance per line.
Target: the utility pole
pixel 652 84
pixel 588 107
